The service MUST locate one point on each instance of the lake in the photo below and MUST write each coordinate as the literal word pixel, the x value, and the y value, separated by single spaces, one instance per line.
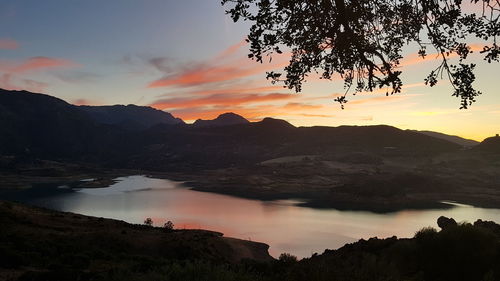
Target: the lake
pixel 284 226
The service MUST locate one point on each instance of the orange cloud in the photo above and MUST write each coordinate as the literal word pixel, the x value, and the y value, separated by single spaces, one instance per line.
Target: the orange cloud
pixel 253 113
pixel 37 63
pixel 301 106
pixel 205 74
pixel 416 59
pixel 391 98
pixel 12 70
pixel 8 44
pixel 194 113
pixel 317 115
pixel 222 68
pixel 6 82
pixel 238 90
pixel 218 100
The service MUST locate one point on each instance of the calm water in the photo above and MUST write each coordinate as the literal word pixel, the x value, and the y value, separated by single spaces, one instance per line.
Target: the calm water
pixel 285 227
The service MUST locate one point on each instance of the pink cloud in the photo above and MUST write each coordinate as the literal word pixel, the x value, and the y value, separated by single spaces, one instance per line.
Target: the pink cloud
pixel 416 59
pixel 8 44
pixel 12 76
pixel 8 82
pixel 85 102
pixel 222 68
pixel 37 63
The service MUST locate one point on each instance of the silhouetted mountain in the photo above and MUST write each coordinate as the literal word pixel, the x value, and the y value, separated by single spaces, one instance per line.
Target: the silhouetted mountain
pixel 130 116
pixel 272 123
pixel 43 126
pixel 491 144
pixel 38 124
pixel 456 139
pixel 225 119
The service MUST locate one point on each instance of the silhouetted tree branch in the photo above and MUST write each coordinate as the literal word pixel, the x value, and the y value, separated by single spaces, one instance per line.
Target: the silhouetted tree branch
pixel 362 41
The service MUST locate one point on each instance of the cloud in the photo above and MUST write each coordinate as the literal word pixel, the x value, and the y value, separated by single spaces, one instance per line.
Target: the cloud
pixel 8 44
pixel 5 82
pixel 378 99
pixel 162 64
pixel 34 86
pixel 317 115
pixel 416 59
pixel 301 106
pixel 85 102
pixel 231 50
pixel 227 82
pixel 206 74
pixel 38 63
pixel 9 82
pixel 194 113
pixel 237 89
pixel 366 118
pixel 218 100
pixel 77 77
pixel 222 68
pixel 12 76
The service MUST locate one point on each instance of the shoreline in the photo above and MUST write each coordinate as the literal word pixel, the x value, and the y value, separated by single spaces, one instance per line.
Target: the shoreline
pixel 200 182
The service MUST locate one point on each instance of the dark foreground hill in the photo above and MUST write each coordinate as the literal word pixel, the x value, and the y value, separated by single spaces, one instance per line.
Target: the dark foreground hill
pixel 38 244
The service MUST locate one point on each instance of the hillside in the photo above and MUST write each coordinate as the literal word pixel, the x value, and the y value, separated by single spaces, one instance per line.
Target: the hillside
pixel 490 145
pixel 39 244
pixel 130 117
pixel 456 139
pixel 46 127
pixel 225 119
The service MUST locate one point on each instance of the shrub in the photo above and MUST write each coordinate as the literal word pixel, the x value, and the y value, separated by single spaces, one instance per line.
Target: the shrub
pixel 148 222
pixel 168 226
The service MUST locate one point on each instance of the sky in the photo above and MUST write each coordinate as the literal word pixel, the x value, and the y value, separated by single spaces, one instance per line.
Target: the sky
pixel 188 58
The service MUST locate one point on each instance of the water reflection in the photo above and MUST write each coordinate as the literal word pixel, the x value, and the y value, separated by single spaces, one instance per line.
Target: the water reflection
pixel 284 226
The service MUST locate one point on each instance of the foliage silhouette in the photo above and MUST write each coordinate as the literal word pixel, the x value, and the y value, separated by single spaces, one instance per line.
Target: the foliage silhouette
pixel 168 226
pixel 363 40
pixel 148 222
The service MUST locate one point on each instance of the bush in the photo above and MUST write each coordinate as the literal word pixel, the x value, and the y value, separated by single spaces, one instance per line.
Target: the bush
pixel 168 226
pixel 148 222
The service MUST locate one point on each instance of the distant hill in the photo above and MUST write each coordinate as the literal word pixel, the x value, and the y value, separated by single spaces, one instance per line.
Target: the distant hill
pixel 274 123
pixel 456 139
pixel 130 116
pixel 225 119
pixel 491 144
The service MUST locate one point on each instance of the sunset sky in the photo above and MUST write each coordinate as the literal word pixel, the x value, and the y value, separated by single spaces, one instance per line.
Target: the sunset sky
pixel 188 58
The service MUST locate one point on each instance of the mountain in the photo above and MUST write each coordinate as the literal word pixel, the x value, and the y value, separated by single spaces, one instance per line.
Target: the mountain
pixel 273 123
pixel 491 145
pixel 45 127
pixel 130 116
pixel 225 119
pixel 456 139
pixel 38 124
